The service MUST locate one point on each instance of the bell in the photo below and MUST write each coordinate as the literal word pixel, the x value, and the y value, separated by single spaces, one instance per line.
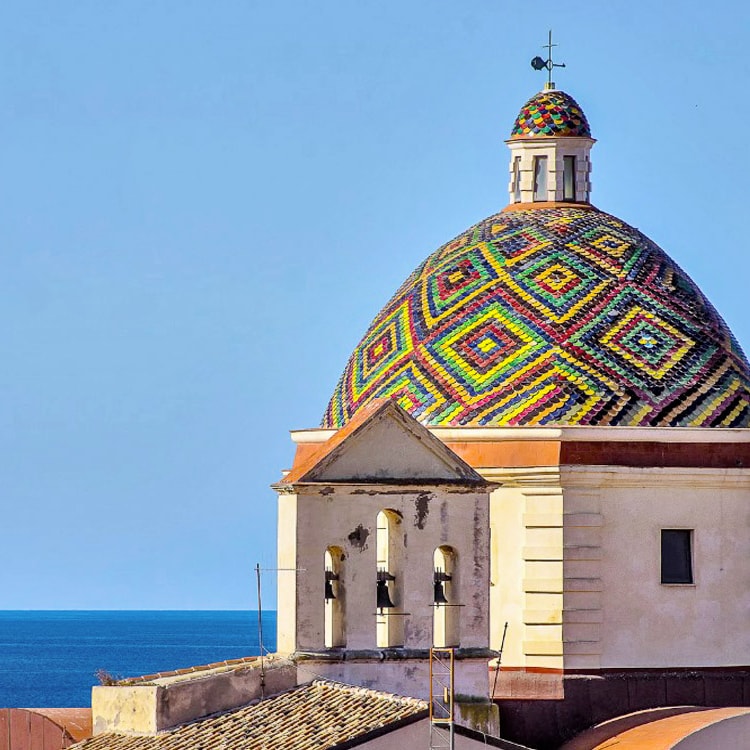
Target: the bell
pixel 384 599
pixel 439 595
pixel 329 591
pixel 439 579
pixel 330 576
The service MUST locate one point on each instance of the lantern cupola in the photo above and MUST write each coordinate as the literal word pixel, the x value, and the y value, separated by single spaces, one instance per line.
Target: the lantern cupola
pixel 550 145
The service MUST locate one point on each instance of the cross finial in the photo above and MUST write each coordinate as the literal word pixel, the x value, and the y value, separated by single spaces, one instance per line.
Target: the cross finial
pixel 540 64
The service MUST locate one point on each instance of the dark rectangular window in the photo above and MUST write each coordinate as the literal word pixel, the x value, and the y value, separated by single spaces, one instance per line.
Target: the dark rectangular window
pixel 540 178
pixel 569 178
pixel 676 556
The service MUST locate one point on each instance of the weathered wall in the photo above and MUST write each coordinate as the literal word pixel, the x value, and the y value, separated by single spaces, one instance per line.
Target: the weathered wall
pixel 184 700
pixel 404 677
pixel 345 516
pixel 125 710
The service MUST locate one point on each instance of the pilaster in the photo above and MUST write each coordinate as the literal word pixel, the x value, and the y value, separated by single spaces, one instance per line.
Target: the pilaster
pixel 582 599
pixel 543 577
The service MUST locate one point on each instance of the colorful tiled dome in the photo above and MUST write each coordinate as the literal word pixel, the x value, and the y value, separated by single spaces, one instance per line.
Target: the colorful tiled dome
pixel 551 113
pixel 549 316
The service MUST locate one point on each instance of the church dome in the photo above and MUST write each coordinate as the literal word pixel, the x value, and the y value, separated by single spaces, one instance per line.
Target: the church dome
pixel 551 113
pixel 559 315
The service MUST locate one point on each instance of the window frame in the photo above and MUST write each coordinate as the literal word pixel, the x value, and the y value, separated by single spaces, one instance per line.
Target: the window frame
pixel 517 179
pixel 690 535
pixel 540 160
pixel 570 164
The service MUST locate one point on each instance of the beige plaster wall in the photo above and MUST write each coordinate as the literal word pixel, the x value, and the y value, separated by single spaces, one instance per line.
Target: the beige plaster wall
pixel 506 579
pixel 396 456
pixel 287 564
pixel 404 677
pixel 617 613
pixel 124 710
pixel 576 567
pixel 345 516
pixel 526 517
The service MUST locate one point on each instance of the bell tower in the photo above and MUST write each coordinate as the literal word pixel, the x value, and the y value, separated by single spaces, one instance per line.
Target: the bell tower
pixel 384 540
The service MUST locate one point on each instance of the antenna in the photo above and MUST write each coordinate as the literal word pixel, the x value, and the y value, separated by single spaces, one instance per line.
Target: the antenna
pixel 499 659
pixel 260 622
pixel 539 63
pixel 260 636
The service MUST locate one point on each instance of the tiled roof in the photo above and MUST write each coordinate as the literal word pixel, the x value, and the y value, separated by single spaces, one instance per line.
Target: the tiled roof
pixel 316 716
pixel 549 316
pixel 551 113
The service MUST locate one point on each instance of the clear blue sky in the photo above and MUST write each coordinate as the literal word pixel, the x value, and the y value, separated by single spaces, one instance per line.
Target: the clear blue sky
pixel 203 205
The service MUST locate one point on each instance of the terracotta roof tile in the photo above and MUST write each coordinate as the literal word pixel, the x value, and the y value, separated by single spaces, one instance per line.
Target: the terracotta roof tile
pixel 316 716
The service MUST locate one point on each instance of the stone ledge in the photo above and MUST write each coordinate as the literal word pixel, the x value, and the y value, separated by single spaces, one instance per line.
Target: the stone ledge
pixel 387 654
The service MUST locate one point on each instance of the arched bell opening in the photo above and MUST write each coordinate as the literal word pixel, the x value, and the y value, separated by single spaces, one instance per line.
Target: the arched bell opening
pixel 445 616
pixel 389 626
pixel 334 594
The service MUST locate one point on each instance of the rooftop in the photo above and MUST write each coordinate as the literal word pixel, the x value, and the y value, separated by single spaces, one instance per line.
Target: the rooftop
pixel 317 716
pixel 551 113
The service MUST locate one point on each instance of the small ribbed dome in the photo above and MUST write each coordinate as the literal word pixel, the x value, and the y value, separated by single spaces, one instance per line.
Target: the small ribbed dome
pixel 551 113
pixel 549 316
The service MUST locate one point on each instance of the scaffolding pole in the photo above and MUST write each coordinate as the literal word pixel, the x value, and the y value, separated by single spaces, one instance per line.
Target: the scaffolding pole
pixel 441 698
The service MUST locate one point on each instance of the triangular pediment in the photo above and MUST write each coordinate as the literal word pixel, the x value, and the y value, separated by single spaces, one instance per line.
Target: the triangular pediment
pixel 384 443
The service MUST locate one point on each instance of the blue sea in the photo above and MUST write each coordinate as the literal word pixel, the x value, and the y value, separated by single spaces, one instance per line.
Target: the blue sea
pixel 49 659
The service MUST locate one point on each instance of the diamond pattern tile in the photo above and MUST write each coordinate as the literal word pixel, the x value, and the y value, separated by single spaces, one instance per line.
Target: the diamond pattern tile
pixel 549 316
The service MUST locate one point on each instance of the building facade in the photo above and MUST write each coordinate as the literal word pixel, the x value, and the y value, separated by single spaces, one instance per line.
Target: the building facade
pixel 577 369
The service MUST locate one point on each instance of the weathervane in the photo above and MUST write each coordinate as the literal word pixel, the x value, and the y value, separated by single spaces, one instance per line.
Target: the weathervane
pixel 540 64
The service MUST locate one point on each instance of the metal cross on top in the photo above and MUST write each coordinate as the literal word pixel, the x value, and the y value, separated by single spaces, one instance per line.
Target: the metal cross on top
pixel 539 63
